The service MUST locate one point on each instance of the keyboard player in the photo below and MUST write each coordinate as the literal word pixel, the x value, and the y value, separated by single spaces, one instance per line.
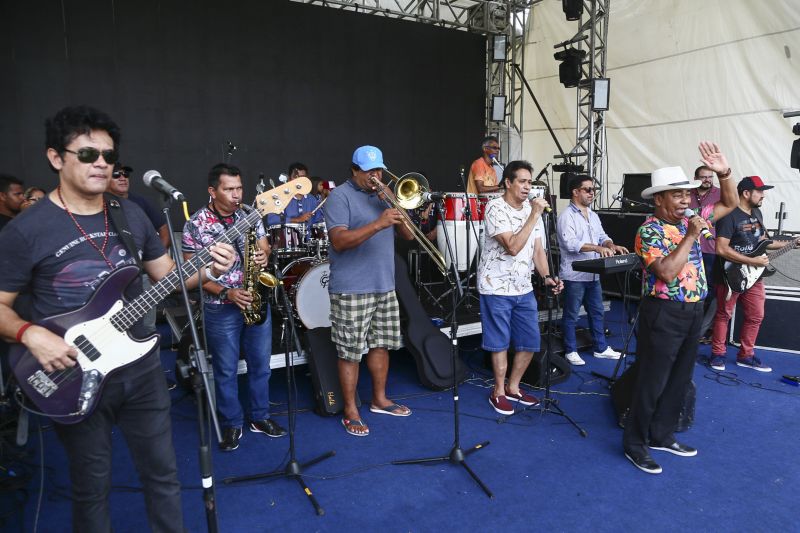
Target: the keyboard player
pixel 581 237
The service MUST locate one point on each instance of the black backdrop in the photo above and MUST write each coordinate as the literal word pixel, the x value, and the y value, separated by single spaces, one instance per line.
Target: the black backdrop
pixel 283 81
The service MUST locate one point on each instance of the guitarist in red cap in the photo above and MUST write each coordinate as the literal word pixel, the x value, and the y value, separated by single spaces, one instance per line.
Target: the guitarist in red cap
pixel 741 239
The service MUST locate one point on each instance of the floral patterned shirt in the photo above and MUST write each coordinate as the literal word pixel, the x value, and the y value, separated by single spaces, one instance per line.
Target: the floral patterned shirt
pixel 657 238
pixel 202 229
pixel 499 272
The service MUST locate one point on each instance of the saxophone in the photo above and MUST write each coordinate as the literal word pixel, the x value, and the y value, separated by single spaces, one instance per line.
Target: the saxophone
pixel 254 277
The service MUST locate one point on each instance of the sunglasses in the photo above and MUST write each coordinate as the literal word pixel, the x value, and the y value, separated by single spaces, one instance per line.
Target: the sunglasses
pixel 493 148
pixel 90 155
pixel 588 190
pixel 117 174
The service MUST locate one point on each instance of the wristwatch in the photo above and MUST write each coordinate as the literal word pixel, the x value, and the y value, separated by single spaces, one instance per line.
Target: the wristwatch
pixel 223 294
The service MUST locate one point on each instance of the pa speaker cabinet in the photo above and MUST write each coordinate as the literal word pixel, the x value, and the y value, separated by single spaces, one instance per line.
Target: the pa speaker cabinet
pixel 779 327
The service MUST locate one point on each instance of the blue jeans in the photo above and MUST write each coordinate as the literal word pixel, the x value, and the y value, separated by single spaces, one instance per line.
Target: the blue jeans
pixel 590 295
pixel 506 319
pixel 227 334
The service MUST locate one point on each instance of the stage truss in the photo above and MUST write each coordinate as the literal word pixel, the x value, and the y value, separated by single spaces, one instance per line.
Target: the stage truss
pixel 492 18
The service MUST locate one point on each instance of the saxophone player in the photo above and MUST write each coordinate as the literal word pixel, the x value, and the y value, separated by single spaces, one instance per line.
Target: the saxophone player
pixel 224 301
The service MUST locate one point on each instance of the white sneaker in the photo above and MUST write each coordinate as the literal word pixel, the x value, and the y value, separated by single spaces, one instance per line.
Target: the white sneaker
pixel 608 353
pixel 575 359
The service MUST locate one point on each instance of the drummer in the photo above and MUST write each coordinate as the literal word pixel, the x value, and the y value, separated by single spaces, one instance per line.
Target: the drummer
pixel 300 208
pixel 485 172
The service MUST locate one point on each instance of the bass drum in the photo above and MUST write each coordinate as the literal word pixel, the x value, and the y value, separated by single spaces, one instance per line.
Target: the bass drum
pixel 306 284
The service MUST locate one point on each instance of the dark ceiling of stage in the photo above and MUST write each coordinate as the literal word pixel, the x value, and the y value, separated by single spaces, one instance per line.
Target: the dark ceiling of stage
pixel 283 81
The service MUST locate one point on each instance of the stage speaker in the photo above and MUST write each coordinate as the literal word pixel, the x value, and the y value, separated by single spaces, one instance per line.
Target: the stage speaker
pixel 324 367
pixel 781 307
pixel 632 187
pixel 622 395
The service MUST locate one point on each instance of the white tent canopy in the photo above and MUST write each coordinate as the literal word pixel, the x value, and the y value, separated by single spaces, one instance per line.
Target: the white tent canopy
pixel 682 71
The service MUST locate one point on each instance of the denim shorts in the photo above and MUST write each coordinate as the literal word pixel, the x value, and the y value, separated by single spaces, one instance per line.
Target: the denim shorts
pixel 507 319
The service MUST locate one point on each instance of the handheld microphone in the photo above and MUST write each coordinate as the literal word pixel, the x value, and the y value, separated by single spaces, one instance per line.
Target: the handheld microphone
pixel 429 197
pixel 154 180
pixel 689 213
pixel 538 193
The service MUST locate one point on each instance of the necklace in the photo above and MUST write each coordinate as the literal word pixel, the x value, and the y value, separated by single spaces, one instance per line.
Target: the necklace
pixel 100 250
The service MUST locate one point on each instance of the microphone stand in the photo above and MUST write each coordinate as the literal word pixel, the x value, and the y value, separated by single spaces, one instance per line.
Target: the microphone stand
pixel 201 380
pixel 548 403
pixel 456 456
pixel 293 469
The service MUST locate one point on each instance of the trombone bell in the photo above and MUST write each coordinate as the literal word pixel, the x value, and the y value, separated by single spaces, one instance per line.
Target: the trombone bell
pixel 409 189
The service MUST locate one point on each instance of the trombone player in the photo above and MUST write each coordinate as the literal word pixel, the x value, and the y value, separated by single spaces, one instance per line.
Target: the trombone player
pixel 365 314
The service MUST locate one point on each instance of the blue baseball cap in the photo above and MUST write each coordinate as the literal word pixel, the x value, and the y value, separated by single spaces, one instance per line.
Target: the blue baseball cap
pixel 368 158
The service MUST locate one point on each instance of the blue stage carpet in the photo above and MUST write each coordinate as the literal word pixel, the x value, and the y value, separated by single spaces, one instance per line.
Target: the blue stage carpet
pixel 544 475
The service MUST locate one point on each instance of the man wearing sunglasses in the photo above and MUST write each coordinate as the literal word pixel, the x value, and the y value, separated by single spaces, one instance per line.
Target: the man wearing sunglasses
pixel 581 236
pixel 60 252
pixel 120 185
pixel 485 172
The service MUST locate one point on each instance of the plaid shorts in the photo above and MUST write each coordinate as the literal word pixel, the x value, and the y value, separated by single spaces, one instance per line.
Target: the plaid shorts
pixel 356 318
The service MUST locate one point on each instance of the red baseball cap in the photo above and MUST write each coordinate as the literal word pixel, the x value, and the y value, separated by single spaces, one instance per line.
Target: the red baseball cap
pixel 753 183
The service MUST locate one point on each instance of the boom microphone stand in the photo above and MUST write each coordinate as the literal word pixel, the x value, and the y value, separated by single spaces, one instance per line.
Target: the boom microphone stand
pixel 548 403
pixel 200 380
pixel 456 456
pixel 293 469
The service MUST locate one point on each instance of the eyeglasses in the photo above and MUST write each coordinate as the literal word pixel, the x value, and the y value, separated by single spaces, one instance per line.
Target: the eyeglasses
pixel 706 177
pixel 90 155
pixel 493 148
pixel 117 174
pixel 588 190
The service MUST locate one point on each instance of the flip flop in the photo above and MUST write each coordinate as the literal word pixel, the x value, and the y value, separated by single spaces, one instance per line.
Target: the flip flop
pixel 393 410
pixel 349 426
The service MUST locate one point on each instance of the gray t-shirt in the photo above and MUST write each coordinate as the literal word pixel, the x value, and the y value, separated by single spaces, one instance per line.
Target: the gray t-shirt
pixel 369 267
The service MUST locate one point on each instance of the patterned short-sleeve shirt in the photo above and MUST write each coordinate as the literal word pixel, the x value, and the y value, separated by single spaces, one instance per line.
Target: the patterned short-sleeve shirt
pixel 499 272
pixel 656 239
pixel 202 229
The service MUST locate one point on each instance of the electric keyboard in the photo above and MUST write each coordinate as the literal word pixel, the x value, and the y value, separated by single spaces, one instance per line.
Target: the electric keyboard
pixel 607 265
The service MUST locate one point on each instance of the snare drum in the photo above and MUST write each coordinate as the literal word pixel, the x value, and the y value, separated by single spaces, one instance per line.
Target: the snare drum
pixel 455 206
pixel 287 238
pixel 306 283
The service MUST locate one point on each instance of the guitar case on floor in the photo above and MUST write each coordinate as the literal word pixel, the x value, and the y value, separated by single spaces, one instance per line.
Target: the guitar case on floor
pixel 324 368
pixel 430 347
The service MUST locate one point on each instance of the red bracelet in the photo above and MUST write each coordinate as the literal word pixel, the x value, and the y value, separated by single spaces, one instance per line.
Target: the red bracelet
pixel 21 331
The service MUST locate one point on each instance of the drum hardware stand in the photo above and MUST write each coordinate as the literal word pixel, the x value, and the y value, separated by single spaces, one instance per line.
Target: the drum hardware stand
pixel 418 275
pixel 293 469
pixel 200 380
pixel 548 403
pixel 457 456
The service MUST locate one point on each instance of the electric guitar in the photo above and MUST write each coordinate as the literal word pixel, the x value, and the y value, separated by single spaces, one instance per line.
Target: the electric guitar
pixel 99 329
pixel 741 277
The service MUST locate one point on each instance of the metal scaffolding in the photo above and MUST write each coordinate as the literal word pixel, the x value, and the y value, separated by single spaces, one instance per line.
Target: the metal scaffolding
pixel 590 127
pixel 496 19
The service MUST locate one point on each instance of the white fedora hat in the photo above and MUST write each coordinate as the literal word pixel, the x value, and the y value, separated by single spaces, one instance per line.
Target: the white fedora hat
pixel 667 179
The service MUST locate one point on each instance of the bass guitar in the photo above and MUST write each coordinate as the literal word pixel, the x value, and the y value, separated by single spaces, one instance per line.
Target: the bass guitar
pixel 741 277
pixel 99 329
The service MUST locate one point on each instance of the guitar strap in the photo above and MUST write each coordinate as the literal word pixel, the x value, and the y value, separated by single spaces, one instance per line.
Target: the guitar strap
pixel 120 222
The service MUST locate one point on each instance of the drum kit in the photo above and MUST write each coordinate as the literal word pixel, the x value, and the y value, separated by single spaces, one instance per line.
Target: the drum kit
pixel 300 254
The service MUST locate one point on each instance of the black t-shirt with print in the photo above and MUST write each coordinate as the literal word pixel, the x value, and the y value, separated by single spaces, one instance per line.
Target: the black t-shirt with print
pixel 44 252
pixel 743 230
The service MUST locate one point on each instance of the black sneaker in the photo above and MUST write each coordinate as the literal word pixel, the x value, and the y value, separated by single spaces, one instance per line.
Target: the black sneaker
pixel 676 448
pixel 230 439
pixel 754 363
pixel 268 427
pixel 643 462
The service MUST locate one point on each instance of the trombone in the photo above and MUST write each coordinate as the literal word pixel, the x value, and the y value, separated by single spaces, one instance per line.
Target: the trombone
pixel 408 191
